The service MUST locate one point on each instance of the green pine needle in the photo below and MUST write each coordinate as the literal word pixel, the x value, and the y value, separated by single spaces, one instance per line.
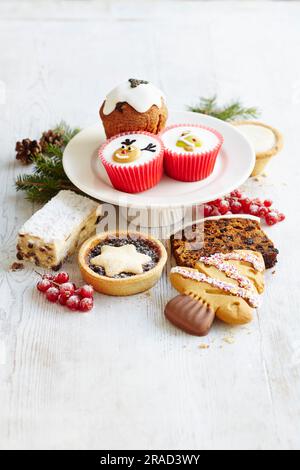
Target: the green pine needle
pixel 67 131
pixel 48 176
pixel 229 112
pixel 41 188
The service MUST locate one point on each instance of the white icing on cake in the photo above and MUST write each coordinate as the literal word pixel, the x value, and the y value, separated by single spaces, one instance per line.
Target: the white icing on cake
pixel 142 140
pixel 59 217
pixel 208 139
pixel 141 97
pixel 261 138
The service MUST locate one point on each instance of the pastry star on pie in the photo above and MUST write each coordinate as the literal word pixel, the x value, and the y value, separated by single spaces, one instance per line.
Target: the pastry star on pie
pixel 121 259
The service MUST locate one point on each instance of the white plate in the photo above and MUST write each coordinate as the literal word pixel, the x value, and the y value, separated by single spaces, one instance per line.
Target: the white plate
pixel 234 165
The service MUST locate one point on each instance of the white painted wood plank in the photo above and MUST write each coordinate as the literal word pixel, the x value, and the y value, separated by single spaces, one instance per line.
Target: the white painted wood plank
pixel 123 377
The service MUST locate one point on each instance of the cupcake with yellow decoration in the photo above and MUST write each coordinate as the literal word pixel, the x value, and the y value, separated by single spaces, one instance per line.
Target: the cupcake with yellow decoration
pixel 133 161
pixel 191 151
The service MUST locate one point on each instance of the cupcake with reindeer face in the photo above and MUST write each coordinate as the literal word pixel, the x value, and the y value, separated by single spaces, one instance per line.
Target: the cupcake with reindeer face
pixel 134 105
pixel 133 161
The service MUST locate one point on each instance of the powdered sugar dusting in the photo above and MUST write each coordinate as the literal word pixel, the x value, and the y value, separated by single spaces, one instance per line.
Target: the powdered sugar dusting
pixel 59 217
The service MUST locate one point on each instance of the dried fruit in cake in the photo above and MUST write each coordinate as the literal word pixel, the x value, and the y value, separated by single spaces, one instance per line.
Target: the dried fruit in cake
pixel 122 263
pixel 222 235
pixel 133 161
pixel 55 231
pixel 191 151
pixel 134 105
pixel 226 285
pixel 266 141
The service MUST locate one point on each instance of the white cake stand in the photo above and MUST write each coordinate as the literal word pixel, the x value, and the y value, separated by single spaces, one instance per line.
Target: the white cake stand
pixel 166 203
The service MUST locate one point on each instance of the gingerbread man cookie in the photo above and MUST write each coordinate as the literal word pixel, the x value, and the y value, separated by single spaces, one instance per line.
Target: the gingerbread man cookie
pixel 228 285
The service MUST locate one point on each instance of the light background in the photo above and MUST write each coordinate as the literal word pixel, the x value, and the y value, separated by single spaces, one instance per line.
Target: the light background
pixel 122 377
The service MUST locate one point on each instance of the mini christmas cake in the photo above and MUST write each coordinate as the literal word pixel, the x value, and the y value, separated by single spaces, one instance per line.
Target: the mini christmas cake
pixel 190 151
pixel 122 263
pixel 135 105
pixel 133 161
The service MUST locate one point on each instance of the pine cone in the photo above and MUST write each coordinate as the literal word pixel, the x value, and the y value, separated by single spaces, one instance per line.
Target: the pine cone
pixel 51 137
pixel 26 150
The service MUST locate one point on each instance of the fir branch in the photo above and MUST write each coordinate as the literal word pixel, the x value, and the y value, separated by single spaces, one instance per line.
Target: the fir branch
pixel 53 150
pixel 40 188
pixel 47 166
pixel 228 112
pixel 48 176
pixel 67 131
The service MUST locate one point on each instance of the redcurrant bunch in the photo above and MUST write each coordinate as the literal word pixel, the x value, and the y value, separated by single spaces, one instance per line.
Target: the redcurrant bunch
pixel 59 288
pixel 237 203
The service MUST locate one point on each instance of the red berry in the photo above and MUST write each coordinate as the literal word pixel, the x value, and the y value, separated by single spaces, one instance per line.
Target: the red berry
pixel 245 204
pixel 62 299
pixel 236 193
pixel 67 288
pixel 223 207
pixel 207 210
pixel 268 202
pixel 236 207
pixel 52 294
pixel 257 201
pixel 86 304
pixel 43 285
pixel 215 212
pixel 253 209
pixel 271 218
pixel 73 302
pixel 216 202
pixel 280 217
pixel 263 211
pixel 48 276
pixel 61 278
pixel 87 291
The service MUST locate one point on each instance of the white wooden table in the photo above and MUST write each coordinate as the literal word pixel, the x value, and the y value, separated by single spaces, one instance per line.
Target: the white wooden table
pixel 122 377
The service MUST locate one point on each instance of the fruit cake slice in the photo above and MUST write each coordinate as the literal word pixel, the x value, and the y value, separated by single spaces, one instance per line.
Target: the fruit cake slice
pixel 222 235
pixel 55 231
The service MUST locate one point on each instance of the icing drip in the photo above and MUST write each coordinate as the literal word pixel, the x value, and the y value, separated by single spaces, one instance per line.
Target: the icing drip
pixel 246 294
pixel 140 97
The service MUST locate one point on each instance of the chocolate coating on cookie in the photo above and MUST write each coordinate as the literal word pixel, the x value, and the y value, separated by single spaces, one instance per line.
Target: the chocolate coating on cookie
pixel 190 315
